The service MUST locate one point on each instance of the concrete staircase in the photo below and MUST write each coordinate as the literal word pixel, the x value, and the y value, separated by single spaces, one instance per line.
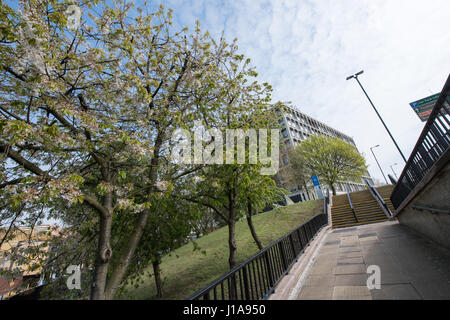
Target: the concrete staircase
pixel 385 192
pixel 366 208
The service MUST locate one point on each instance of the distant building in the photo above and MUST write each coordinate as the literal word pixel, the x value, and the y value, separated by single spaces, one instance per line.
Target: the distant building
pixel 296 127
pixel 28 275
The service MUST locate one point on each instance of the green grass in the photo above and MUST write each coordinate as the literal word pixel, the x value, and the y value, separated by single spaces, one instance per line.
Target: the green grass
pixel 185 271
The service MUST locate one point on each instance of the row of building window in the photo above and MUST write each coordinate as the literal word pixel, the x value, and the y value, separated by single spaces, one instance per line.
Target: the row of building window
pixel 312 126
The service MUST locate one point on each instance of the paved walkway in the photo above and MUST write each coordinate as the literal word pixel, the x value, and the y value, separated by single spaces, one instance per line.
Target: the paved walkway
pixel 411 267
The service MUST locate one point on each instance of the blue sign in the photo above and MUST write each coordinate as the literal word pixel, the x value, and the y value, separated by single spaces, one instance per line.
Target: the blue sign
pixel 315 181
pixel 316 184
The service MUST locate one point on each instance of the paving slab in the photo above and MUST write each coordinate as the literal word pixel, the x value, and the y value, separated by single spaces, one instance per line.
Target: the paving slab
pixel 351 293
pixel 350 280
pixel 350 249
pixel 320 280
pixel 316 293
pixel 349 240
pixel 346 261
pixel 394 277
pixel 396 292
pixel 351 254
pixel 367 235
pixel 322 269
pixel 432 290
pixel 373 239
pixel 350 269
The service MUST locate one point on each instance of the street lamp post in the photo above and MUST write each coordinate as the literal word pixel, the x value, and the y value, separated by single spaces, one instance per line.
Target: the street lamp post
pixel 381 119
pixel 378 163
pixel 393 170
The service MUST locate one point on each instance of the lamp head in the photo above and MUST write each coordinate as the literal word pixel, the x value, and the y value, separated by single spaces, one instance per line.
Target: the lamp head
pixel 355 75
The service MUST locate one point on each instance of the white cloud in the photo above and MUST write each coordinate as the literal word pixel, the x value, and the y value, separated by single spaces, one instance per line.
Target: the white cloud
pixel 306 49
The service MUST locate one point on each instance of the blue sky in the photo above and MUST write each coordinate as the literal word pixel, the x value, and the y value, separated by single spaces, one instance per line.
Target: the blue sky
pixel 306 49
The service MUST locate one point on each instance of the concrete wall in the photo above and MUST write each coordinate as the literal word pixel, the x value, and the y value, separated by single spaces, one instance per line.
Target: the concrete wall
pixel 436 194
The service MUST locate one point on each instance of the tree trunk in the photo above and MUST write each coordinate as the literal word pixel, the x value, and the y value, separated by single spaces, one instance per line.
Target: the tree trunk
pixel 231 230
pixel 125 257
pixel 129 249
pixel 104 254
pixel 157 272
pixel 232 243
pixel 250 225
pixel 232 256
pixel 333 189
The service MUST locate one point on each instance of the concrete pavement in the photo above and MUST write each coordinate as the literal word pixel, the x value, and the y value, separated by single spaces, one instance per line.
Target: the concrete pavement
pixel 411 266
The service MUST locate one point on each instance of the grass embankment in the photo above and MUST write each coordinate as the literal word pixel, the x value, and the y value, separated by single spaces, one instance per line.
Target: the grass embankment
pixel 186 271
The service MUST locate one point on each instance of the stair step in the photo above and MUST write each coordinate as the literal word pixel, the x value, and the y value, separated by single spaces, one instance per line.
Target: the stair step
pixel 355 224
pixel 357 210
pixel 359 216
pixel 361 219
pixel 362 205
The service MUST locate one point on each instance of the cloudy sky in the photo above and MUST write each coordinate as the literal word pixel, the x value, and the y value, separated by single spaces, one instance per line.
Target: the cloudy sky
pixel 306 49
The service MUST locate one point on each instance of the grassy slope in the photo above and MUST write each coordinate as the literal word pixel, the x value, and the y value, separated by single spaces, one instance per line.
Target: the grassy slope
pixel 192 270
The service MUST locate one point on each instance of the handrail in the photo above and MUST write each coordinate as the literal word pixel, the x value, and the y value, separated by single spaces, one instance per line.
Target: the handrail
pixel 433 143
pixel 257 277
pixel 432 210
pixel 378 197
pixel 351 204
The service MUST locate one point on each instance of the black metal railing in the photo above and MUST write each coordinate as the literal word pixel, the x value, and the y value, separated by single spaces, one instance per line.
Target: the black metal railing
pixel 351 203
pixel 256 278
pixel 433 142
pixel 378 198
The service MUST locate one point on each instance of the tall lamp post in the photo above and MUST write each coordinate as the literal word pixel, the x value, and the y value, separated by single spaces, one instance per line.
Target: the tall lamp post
pixel 355 76
pixel 393 170
pixel 378 163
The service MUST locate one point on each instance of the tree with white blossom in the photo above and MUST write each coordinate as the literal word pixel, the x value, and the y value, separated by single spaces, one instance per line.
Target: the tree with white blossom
pixel 86 115
pixel 88 106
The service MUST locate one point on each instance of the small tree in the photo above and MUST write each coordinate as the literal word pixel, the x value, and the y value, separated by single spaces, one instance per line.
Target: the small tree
pixel 258 192
pixel 331 159
pixel 298 172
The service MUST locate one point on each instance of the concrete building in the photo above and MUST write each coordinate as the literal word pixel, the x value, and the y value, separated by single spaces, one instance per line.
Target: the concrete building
pixel 28 274
pixel 296 127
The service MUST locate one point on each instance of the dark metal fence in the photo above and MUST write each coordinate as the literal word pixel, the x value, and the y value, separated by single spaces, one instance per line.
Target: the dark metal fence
pixel 433 142
pixel 257 277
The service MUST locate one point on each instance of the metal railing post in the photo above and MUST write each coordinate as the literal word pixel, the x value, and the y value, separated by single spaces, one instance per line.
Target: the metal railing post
pixel 269 269
pixel 246 287
pixel 283 256
pixel 294 253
